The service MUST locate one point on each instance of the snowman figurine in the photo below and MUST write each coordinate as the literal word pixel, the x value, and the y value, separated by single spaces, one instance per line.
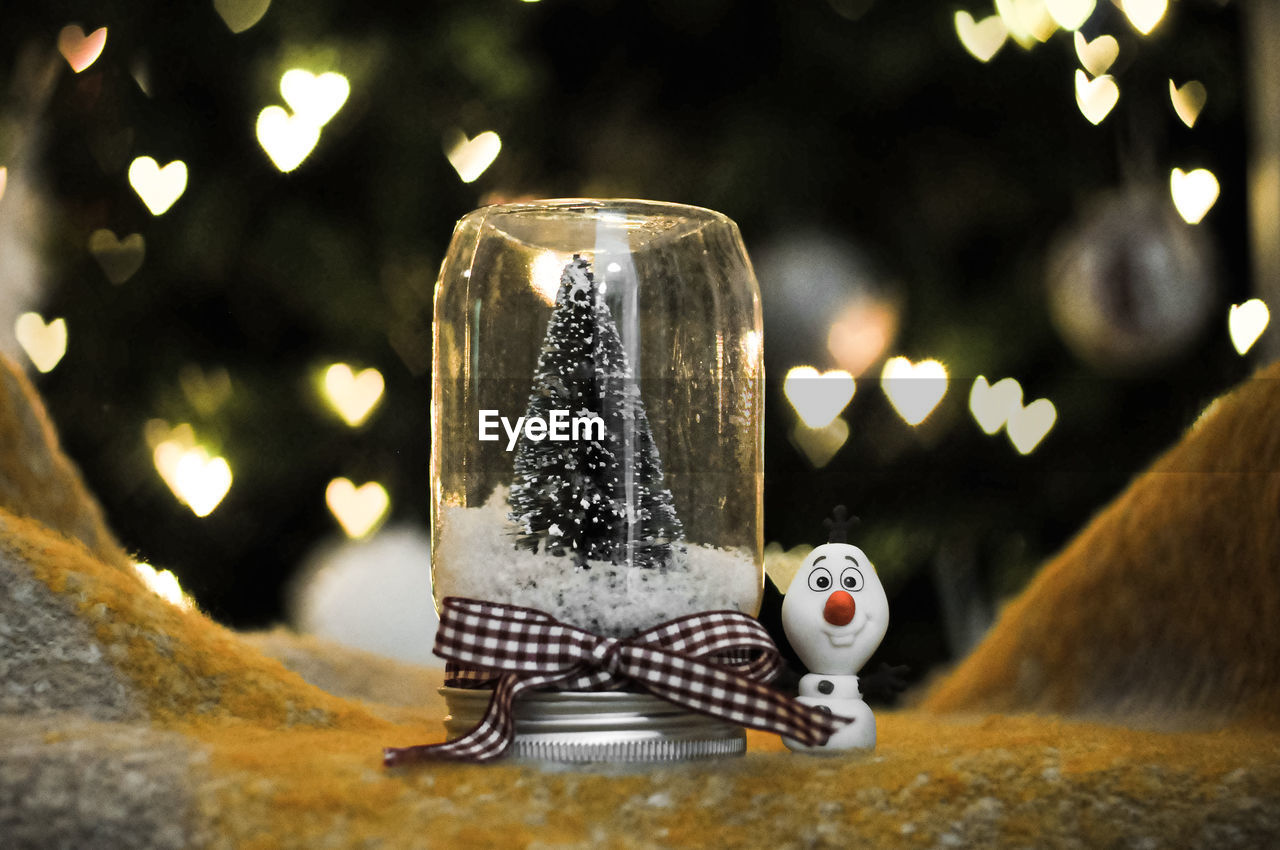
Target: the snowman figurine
pixel 835 614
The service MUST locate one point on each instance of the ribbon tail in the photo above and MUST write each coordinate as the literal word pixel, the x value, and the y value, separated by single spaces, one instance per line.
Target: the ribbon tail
pixel 737 699
pixel 487 741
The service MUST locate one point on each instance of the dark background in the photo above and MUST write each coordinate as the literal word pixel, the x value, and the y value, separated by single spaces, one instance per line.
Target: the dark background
pixel 859 124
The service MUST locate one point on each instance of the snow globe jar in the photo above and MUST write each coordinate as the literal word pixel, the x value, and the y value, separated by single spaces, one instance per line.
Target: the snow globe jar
pixel 597 393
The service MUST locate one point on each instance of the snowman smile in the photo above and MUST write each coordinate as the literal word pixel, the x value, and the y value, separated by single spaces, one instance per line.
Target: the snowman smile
pixel 845 636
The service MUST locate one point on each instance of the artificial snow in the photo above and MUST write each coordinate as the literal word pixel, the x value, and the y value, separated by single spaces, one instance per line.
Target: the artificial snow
pixel 477 558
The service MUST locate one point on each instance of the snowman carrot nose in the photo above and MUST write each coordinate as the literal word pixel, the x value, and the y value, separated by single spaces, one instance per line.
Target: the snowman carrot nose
pixel 839 608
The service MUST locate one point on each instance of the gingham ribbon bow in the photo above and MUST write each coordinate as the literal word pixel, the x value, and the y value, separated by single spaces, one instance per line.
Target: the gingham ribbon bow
pixel 716 663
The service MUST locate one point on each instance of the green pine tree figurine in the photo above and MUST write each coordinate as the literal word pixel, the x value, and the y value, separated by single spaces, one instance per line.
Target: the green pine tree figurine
pixel 571 497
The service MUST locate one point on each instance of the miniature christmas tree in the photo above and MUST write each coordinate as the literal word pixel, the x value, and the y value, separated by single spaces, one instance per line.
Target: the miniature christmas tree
pixel 593 499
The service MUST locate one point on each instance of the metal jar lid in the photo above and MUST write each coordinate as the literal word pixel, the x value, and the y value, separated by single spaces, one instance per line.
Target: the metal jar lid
pixel 595 726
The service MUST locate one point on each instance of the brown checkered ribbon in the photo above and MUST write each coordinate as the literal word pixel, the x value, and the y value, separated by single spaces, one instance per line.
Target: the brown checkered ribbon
pixel 715 663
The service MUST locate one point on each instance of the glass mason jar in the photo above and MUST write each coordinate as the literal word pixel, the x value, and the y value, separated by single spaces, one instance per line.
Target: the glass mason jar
pixel 597 391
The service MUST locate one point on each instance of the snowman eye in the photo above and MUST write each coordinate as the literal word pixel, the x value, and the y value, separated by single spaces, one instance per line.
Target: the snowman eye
pixel 851 579
pixel 820 579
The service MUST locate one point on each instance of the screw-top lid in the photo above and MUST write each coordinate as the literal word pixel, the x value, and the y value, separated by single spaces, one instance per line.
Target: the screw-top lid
pixel 596 726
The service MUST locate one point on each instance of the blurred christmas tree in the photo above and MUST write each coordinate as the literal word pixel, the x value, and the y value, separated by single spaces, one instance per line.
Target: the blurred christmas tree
pixel 865 122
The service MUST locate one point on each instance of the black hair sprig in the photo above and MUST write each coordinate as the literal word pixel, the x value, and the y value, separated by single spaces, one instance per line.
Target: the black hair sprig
pixel 838 527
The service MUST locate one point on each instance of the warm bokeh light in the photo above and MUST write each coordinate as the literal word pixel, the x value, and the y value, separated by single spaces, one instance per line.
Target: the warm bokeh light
pixel 44 343
pixel 1194 193
pixel 471 157
pixel 1188 99
pixel 983 39
pixel 157 431
pixel 164 584
pixel 914 389
pixel 287 139
pixel 999 405
pixel 544 274
pixel 1028 425
pixel 818 397
pixel 240 15
pixel 207 391
pixel 198 479
pixel 1028 21
pixel 158 187
pixel 314 98
pixel 1070 14
pixel 81 50
pixel 353 396
pixel 119 259
pixel 4 180
pixel 1096 97
pixel 358 510
pixel 993 404
pixel 1096 56
pixel 1246 322
pixel 820 445
pixel 861 333
pixel 1144 14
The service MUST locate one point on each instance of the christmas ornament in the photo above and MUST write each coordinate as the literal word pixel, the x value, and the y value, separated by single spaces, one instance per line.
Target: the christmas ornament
pixel 1129 283
pixel 835 614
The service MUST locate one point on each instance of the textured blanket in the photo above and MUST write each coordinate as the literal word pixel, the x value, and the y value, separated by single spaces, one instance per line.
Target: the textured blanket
pixel 1129 697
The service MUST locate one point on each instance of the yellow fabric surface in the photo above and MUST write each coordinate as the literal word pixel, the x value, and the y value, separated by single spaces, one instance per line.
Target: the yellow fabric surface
pixel 272 761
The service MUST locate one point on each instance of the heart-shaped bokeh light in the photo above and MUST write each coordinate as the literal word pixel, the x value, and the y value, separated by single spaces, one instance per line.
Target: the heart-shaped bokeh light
pixel 197 478
pixel 1070 14
pixel 158 187
pixel 358 509
pixel 1096 97
pixel 983 39
pixel 353 396
pixel 1028 21
pixel 993 404
pixel 471 157
pixel 239 15
pixel 44 343
pixel 1027 426
pixel 1194 193
pixel 1188 99
pixel 1144 14
pixel 286 138
pixel 1246 322
pixel 314 98
pixel 1096 56
pixel 914 389
pixel 81 50
pixel 119 259
pixel 819 445
pixel 207 391
pixel 818 397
